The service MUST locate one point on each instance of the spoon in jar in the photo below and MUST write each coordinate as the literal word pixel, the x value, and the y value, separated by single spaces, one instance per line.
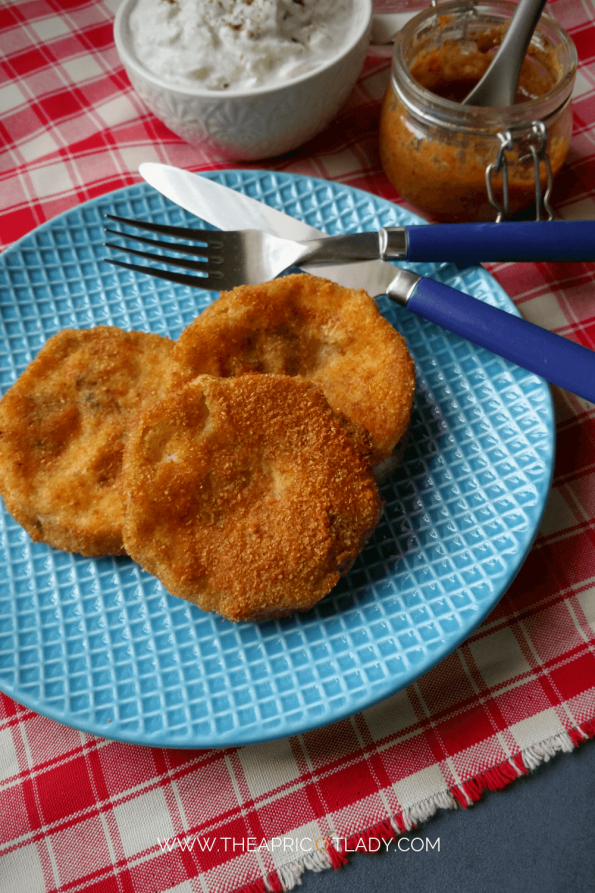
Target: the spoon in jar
pixel 498 85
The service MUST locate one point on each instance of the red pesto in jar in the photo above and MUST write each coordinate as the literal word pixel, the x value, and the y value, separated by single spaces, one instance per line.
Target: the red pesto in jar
pixel 442 171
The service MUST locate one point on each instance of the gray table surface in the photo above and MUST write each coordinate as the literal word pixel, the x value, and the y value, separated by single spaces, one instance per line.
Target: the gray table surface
pixel 538 834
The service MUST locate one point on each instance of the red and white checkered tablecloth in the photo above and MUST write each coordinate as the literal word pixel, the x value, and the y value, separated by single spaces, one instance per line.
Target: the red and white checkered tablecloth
pixel 84 813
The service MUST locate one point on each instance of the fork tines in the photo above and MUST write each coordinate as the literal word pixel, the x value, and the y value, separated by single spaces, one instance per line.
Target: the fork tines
pixel 205 253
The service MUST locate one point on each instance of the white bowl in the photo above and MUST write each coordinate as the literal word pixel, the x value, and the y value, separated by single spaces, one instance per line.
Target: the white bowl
pixel 258 123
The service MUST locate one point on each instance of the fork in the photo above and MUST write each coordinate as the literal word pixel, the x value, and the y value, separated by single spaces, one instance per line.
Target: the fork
pixel 224 260
pixel 227 259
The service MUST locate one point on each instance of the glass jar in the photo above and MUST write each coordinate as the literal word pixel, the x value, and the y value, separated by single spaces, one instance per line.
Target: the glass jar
pixel 457 162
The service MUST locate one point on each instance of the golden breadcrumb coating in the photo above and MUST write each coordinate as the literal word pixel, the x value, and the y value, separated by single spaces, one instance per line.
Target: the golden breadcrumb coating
pixel 248 496
pixel 305 325
pixel 62 430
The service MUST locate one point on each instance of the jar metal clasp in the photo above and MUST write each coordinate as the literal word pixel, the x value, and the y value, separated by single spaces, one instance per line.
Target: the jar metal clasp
pixel 536 142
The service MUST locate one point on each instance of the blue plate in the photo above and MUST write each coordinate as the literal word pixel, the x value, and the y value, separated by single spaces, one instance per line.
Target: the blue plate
pixel 101 646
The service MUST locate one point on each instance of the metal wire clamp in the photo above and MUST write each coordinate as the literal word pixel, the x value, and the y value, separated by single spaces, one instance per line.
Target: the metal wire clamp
pixel 536 141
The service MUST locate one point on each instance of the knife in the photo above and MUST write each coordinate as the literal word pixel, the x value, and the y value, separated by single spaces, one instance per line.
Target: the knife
pixel 548 355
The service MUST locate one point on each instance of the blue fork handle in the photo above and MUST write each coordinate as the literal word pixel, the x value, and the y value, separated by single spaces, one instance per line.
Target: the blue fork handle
pixel 473 243
pixel 558 360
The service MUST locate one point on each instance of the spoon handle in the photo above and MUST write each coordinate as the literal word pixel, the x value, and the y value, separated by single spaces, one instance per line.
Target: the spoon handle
pixel 498 85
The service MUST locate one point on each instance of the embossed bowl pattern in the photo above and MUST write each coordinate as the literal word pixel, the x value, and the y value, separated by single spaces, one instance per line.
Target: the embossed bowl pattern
pixel 100 645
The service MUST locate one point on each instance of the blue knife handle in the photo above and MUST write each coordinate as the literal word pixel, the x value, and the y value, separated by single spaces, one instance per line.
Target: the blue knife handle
pixel 472 243
pixel 558 360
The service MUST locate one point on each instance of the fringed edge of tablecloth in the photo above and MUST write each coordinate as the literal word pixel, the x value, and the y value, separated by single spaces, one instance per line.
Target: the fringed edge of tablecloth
pixel 464 794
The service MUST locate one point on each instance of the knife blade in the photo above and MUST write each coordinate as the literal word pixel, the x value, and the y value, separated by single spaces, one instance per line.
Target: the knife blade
pixel 557 359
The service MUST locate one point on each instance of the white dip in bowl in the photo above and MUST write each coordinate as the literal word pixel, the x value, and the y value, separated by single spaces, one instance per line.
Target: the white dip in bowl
pixel 238 44
pixel 243 79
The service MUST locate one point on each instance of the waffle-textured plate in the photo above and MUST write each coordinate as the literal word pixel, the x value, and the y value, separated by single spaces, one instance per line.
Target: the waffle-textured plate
pixel 101 646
